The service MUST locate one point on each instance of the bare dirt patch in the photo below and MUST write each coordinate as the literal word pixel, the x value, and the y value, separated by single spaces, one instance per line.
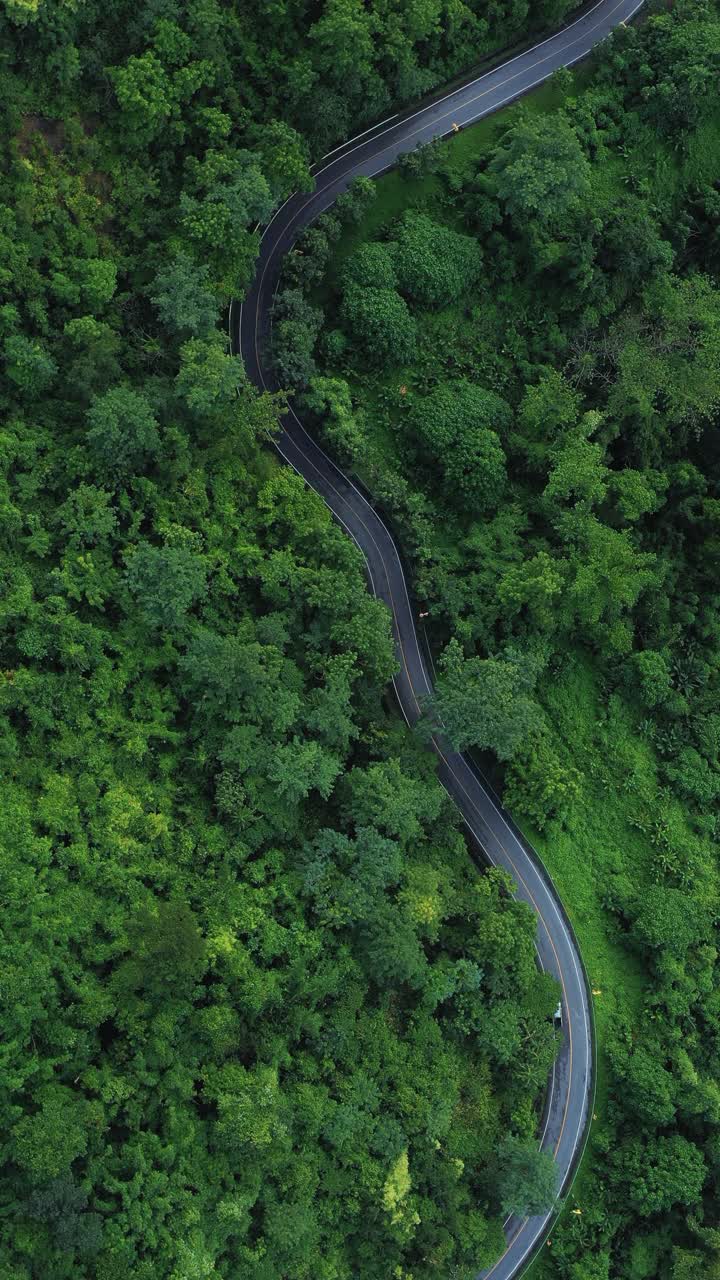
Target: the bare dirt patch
pixel 52 132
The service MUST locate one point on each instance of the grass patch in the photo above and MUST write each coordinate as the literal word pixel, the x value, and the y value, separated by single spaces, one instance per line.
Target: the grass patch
pixel 598 838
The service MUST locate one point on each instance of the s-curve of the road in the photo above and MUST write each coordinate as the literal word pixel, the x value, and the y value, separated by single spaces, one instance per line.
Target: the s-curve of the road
pixel 566 1112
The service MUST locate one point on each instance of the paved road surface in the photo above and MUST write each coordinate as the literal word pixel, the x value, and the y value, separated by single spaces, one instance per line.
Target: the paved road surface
pixel 566 1112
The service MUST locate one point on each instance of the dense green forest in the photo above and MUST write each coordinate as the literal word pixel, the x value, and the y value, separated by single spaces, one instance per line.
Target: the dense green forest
pixel 258 1006
pixel 518 351
pixel 261 1016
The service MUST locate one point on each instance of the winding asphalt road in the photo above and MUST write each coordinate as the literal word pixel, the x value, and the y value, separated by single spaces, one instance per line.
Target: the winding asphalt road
pixel 566 1112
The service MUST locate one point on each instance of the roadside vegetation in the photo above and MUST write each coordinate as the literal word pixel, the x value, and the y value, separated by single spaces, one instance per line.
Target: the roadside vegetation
pixel 518 351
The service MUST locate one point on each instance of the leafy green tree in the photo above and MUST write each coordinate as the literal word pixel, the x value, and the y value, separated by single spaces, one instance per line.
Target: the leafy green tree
pixel 183 300
pixel 307 261
pixel 527 1179
pixel 144 92
pixel 655 677
pixel 632 249
pixel 28 364
pixel 122 432
pixel 385 797
pixel 173 45
pixel 547 408
pixel 231 194
pixel 46 1143
pixel 535 586
pixel 638 493
pixel 238 678
pixel 691 1264
pixel 91 360
pixel 347 879
pixel 668 358
pixel 459 424
pixel 647 1085
pixel 209 376
pixel 434 265
pixel 391 950
pixel 343 428
pixel 236 193
pixel 283 156
pixel 667 918
pixel 330 712
pixel 694 777
pixel 343 38
pixel 660 1173
pixel 485 702
pixel 167 581
pixel 608 575
pixel 298 767
pixel 295 331
pixel 352 204
pixel 87 517
pixel 686 57
pixel 423 160
pixel 591 1267
pixel 541 171
pixel 61 1207
pixel 372 266
pixel 98 281
pixel 379 320
pixel 167 954
pixel 540 784
pixel 251 1110
pixel 22 12
pixel 578 473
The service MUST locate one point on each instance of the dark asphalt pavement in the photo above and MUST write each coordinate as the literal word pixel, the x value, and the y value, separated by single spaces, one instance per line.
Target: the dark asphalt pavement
pixel 570 1088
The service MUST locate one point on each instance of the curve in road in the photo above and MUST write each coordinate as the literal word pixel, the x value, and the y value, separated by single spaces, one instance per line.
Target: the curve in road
pixel 567 1105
